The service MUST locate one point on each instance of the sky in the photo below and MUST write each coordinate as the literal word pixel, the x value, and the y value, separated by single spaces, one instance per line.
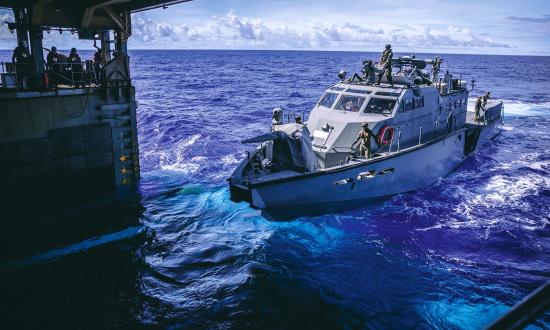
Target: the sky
pixel 464 26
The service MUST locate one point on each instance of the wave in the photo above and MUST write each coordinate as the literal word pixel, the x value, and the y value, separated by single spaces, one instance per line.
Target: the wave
pixel 177 159
pixel 520 108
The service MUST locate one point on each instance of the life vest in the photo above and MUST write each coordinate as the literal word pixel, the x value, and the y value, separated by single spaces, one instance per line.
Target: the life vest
pixel 385 135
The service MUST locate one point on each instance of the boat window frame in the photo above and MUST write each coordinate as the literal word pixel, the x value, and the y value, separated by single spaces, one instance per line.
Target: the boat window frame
pixel 338 95
pixel 389 98
pixel 359 110
pixel 412 103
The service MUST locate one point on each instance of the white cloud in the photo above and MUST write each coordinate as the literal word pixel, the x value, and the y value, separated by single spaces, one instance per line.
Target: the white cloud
pixel 232 31
pixel 5 34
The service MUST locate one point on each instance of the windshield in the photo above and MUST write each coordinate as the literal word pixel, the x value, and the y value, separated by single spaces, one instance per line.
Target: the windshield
pixel 379 105
pixel 328 99
pixel 350 103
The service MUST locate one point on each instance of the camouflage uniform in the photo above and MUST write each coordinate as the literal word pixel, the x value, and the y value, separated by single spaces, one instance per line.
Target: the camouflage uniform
pixel 365 136
pixel 478 108
pixel 486 97
pixel 368 72
pixel 385 61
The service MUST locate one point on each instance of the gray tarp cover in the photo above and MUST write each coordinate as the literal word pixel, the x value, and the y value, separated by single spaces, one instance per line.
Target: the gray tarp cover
pixel 292 148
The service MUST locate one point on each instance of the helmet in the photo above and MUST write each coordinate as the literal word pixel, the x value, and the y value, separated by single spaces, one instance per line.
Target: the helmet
pixel 365 125
pixel 54 49
pixel 388 46
pixel 73 50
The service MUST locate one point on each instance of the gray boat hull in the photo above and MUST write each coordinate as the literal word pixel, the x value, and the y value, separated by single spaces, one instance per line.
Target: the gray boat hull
pixel 407 170
pixel 360 182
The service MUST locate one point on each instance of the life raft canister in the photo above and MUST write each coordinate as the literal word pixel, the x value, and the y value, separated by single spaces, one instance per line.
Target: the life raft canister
pixel 385 135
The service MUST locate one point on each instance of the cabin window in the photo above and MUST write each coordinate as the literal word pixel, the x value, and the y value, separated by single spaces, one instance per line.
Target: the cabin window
pixel 379 105
pixel 350 103
pixel 408 104
pixel 413 103
pixel 388 94
pixel 420 102
pixel 328 100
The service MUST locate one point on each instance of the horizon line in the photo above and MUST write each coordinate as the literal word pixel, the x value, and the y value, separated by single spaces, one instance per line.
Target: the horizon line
pixel 307 50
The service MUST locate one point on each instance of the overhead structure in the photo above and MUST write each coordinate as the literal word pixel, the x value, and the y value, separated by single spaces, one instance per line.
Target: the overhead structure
pixel 84 14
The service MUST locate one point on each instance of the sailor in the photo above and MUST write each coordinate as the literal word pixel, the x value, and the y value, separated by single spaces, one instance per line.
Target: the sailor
pixel 436 66
pixel 98 60
pixel 385 64
pixel 365 137
pixel 21 54
pixel 53 66
pixel 23 62
pixel 76 68
pixel 486 98
pixel 368 71
pixel 478 108
pixel 52 58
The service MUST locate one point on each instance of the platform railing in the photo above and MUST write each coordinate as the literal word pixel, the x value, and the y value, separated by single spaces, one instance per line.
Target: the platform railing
pixel 23 77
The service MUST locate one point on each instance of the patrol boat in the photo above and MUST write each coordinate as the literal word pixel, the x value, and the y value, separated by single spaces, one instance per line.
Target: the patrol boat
pixel 423 129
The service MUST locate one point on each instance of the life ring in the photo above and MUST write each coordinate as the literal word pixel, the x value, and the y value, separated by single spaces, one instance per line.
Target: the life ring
pixel 385 135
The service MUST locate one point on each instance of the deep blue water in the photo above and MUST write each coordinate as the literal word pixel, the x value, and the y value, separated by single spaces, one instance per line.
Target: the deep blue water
pixel 454 256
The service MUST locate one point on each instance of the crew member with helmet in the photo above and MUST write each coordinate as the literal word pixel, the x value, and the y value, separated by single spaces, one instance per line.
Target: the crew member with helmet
pixel 486 98
pixel 76 67
pixel 365 138
pixel 385 64
pixel 368 72
pixel 53 60
pixel 98 61
pixel 23 63
pixel 478 107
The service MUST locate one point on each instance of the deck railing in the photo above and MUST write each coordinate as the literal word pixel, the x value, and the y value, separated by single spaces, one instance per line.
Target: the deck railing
pixel 27 77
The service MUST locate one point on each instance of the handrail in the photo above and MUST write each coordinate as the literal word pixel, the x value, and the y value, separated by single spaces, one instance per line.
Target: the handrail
pixel 526 311
pixel 65 73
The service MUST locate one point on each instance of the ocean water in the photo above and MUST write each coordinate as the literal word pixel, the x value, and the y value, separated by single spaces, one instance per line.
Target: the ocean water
pixel 455 255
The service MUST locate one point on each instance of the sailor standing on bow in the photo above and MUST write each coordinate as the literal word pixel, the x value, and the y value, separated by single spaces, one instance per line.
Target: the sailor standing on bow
pixel 486 98
pixel 478 108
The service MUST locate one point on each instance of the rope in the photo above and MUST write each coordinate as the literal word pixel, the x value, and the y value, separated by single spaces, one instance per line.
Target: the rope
pixel 68 113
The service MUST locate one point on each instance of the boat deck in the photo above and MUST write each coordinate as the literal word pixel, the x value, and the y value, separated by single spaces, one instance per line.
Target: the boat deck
pixel 493 110
pixel 470 119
